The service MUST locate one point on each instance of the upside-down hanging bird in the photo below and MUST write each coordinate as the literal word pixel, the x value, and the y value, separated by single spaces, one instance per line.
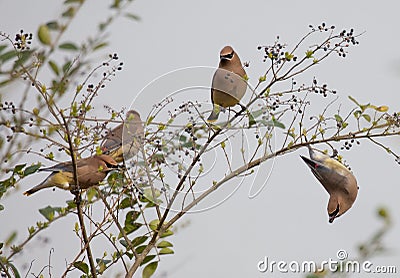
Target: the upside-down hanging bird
pixel 90 171
pixel 228 84
pixel 336 179
pixel 124 141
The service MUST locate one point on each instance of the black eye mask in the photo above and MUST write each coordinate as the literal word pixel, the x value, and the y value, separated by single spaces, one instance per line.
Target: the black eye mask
pixel 228 56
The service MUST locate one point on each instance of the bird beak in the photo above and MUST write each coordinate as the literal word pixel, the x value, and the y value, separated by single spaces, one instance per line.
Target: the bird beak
pixel 334 214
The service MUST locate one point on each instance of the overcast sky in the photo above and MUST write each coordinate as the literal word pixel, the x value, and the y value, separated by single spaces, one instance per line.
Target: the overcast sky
pixel 288 220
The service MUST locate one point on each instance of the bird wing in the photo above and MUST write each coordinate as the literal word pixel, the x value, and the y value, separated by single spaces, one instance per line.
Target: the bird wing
pixel 91 174
pixel 113 139
pixel 330 180
pixel 63 166
pixel 132 138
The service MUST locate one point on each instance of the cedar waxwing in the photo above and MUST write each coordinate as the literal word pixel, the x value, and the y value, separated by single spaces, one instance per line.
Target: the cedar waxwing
pixel 90 171
pixel 124 141
pixel 336 179
pixel 228 84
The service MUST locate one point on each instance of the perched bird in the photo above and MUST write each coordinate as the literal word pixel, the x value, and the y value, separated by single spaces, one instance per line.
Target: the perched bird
pixel 124 141
pixel 228 84
pixel 90 171
pixel 336 179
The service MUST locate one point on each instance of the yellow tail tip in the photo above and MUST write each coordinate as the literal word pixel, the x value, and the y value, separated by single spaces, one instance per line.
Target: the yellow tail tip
pixel 213 117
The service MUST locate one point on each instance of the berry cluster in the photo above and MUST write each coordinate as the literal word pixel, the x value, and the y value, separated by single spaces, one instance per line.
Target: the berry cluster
pixel 22 41
pixel 276 52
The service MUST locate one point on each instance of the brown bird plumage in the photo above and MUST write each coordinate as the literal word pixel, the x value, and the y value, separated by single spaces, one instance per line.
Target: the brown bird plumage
pixel 340 183
pixel 124 141
pixel 228 84
pixel 90 171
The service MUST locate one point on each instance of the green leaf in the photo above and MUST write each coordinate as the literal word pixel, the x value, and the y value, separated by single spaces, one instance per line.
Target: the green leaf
pixel 102 261
pixel 82 266
pixel 72 1
pixel 14 270
pixel 164 244
pixel 138 240
pixel 10 238
pixel 140 249
pixel 132 16
pixel 22 58
pixel 1 207
pixel 309 54
pixel 67 66
pixel 167 233
pixel 71 204
pixel 44 35
pixel 367 117
pixel 54 67
pixel 252 120
pixel 102 264
pixel 149 120
pixel 148 194
pixel 149 270
pixel 130 228
pixel 116 4
pixel 166 251
pixel 338 118
pixel 131 217
pixel 68 46
pixel 32 169
pixel 274 122
pixel 154 224
pixel 90 193
pixel 182 138
pixel 127 203
pixel 2 47
pixel 8 56
pixel 53 25
pixel 257 113
pixel 70 12
pixel 31 230
pixel 48 212
pixel 357 114
pixel 147 259
pixel 19 168
pixel 5 82
pixel 100 45
pixel 354 100
pixel 124 243
pixel 365 107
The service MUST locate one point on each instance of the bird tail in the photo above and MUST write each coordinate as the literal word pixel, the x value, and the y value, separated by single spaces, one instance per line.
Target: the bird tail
pixel 36 188
pixel 117 154
pixel 308 161
pixel 214 114
pixel 58 179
